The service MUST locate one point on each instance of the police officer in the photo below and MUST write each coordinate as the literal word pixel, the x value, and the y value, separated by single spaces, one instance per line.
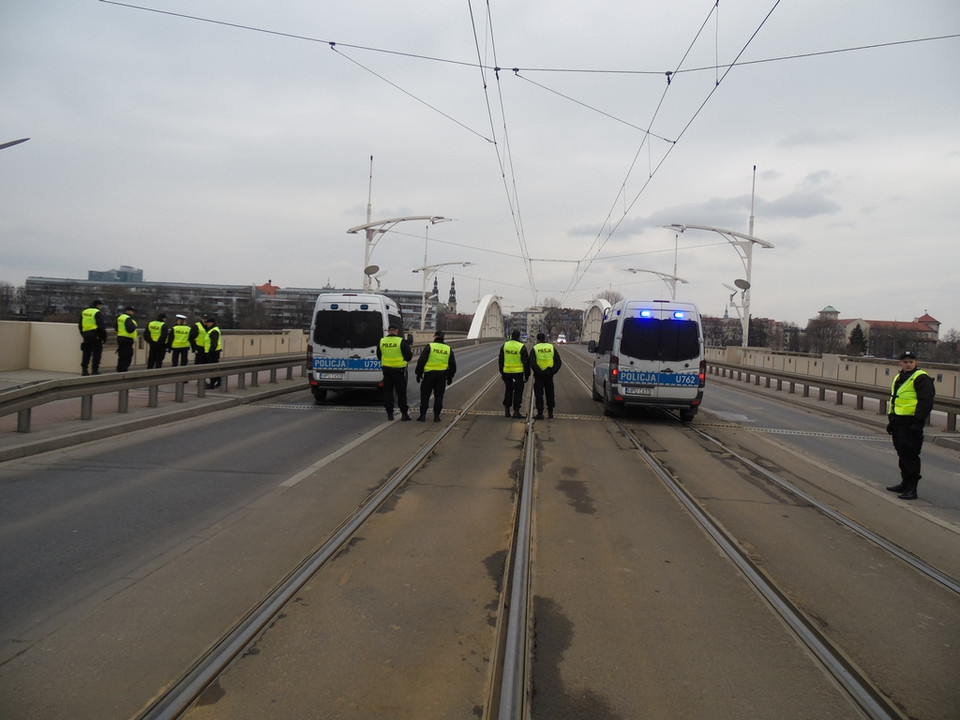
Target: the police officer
pixel 126 334
pixel 394 353
pixel 179 341
pixel 435 370
pixel 93 330
pixel 546 363
pixel 911 400
pixel 515 371
pixel 211 347
pixel 157 341
pixel 198 340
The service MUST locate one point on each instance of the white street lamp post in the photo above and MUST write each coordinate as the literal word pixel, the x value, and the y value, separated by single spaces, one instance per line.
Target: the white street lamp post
pixel 743 244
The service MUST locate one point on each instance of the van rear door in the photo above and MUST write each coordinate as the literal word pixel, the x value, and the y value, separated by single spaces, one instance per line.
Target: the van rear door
pixel 660 350
pixel 345 338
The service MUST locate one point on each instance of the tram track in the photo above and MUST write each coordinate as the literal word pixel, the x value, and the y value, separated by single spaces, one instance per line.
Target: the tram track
pixel 508 688
pixel 856 683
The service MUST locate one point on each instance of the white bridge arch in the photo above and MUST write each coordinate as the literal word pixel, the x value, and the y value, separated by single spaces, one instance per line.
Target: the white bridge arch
pixel 487 320
pixel 593 319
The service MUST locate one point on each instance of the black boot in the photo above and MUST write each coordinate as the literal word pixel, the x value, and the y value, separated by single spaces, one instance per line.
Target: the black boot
pixel 539 415
pixel 389 414
pixel 506 412
pixel 550 413
pixel 897 488
pixel 404 416
pixel 909 490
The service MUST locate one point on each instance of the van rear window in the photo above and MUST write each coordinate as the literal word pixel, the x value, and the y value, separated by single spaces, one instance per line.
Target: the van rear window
pixel 667 340
pixel 340 329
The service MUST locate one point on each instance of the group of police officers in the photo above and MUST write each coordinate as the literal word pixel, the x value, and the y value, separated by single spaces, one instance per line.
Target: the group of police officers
pixel 437 366
pixel 203 338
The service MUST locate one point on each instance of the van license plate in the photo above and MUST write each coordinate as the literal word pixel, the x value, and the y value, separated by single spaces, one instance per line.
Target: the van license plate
pixel 628 390
pixel 331 376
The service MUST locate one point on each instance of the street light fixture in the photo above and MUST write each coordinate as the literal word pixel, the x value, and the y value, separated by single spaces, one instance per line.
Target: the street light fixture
pixel 743 244
pixel 669 280
pixel 428 272
pixel 379 227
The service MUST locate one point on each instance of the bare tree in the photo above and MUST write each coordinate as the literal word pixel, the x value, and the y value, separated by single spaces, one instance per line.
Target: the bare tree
pixel 611 296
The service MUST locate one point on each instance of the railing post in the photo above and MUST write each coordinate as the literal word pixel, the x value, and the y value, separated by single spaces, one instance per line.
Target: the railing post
pixel 178 392
pixel 23 420
pixel 123 401
pixel 86 407
pixel 153 396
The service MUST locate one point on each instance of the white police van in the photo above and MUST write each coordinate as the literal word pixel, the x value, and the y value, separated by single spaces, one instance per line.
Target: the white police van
pixel 344 335
pixel 650 353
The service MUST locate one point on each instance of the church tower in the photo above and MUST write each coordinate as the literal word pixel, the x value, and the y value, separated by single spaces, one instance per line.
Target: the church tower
pixel 452 300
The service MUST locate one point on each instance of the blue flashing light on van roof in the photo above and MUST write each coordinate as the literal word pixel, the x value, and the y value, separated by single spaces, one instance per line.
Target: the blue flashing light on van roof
pixel 646 313
pixel 679 315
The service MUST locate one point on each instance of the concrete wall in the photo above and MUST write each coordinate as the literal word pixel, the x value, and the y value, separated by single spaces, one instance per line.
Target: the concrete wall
pixel 55 347
pixel 878 373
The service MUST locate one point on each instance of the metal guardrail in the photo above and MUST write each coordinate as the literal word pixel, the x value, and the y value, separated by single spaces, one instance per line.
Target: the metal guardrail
pixel 949 406
pixel 23 399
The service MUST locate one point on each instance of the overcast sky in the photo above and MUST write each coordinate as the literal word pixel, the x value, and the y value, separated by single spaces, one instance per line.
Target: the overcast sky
pixel 238 151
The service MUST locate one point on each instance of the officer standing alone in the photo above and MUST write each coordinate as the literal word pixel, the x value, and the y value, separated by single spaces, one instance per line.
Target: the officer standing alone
pixel 394 353
pixel 911 400
pixel 546 363
pixel 514 371
pixel 93 330
pixel 435 370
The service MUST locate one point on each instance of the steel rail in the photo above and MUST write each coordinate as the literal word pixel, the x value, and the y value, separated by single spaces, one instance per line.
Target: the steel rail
pixel 513 693
pixel 858 687
pixel 917 563
pixel 184 692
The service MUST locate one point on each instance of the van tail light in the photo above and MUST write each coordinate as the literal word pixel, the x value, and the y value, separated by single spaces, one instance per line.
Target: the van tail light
pixel 703 374
pixel 614 369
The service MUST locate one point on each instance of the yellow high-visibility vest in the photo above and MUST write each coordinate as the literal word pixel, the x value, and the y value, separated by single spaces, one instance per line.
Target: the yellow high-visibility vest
pixel 181 336
pixel 206 339
pixel 544 355
pixel 122 327
pixel 439 358
pixel 155 327
pixel 903 399
pixel 390 353
pixel 89 317
pixel 512 361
